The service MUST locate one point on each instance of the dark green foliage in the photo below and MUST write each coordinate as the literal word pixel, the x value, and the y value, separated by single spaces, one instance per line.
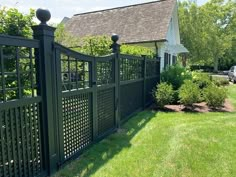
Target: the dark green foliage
pixel 208 32
pixel 137 51
pixel 176 97
pixel 12 22
pixel 97 45
pixel 175 75
pixel 64 38
pixel 214 96
pixel 100 46
pixel 220 81
pixel 164 94
pixel 201 79
pixel 189 93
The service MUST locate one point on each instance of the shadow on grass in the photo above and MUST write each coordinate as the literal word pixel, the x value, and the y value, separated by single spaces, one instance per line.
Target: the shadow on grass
pixel 99 154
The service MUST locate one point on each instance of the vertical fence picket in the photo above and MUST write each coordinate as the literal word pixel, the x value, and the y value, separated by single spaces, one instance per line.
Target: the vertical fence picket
pixel 59 104
pixel 6 117
pixel 18 74
pixel 30 116
pixel 20 160
pixel 2 73
pixel 40 161
pixel 23 140
pixel 3 142
pixel 13 147
pixel 34 144
pixel 26 123
pixel 94 98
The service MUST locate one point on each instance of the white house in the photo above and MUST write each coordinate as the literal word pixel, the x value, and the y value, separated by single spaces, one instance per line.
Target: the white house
pixel 153 24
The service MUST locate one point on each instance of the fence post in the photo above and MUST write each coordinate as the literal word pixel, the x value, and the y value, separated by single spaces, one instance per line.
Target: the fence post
pixel 93 71
pixel 46 81
pixel 159 69
pixel 116 50
pixel 144 80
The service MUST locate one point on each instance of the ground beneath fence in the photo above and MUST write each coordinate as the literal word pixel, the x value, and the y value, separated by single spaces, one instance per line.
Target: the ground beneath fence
pixel 199 107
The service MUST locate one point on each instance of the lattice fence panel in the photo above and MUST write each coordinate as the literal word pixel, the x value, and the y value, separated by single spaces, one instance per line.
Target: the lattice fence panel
pixel 77 123
pixel 130 69
pixel 17 73
pixel 131 98
pixel 20 141
pixel 75 73
pixel 106 110
pixel 152 68
pixel 105 74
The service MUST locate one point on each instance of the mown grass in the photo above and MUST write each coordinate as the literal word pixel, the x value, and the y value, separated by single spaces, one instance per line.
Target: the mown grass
pixel 165 144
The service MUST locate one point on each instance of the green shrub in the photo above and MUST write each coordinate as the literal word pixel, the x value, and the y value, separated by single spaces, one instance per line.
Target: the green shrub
pixel 100 46
pixel 201 79
pixel 176 97
pixel 214 96
pixel 220 81
pixel 164 94
pixel 175 75
pixel 136 50
pixel 189 93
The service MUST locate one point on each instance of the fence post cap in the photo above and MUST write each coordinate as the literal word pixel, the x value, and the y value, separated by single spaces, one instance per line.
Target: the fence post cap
pixel 115 37
pixel 43 15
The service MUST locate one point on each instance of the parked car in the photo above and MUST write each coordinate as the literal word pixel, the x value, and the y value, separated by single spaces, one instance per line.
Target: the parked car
pixel 225 72
pixel 232 74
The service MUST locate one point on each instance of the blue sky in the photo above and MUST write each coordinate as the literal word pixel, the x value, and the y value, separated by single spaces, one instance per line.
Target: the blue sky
pixel 61 8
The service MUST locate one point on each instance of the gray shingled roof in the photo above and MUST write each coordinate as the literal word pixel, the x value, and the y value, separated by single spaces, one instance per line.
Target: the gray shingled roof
pixel 136 23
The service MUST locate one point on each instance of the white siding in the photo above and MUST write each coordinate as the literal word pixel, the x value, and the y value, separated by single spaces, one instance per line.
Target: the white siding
pixel 173 38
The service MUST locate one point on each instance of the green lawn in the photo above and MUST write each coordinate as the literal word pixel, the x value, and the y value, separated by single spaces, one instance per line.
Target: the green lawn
pixel 165 144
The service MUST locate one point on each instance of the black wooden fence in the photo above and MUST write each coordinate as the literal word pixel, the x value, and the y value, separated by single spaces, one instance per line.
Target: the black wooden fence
pixel 55 102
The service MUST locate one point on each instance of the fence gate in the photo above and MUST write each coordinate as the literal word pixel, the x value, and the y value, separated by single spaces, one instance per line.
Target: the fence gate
pixel 85 100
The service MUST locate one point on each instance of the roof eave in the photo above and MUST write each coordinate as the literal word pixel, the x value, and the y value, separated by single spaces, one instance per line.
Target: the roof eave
pixel 152 41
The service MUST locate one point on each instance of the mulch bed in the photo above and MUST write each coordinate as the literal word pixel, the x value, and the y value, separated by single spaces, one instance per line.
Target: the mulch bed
pixel 199 107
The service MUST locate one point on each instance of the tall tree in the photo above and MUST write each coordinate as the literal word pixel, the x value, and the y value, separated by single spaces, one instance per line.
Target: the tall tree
pixel 13 22
pixel 206 30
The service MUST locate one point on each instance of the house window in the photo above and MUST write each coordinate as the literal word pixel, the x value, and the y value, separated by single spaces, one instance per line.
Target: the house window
pixel 174 60
pixel 167 60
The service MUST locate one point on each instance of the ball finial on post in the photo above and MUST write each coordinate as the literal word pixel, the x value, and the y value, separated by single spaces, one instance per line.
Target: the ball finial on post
pixel 114 38
pixel 115 47
pixel 43 16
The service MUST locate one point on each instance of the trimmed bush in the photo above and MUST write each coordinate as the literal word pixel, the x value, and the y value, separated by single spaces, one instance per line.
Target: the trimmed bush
pixel 214 96
pixel 175 75
pixel 220 81
pixel 201 79
pixel 164 94
pixel 189 93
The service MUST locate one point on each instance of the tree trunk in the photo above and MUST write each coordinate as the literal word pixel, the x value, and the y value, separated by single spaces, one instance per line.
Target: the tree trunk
pixel 216 64
pixel 184 60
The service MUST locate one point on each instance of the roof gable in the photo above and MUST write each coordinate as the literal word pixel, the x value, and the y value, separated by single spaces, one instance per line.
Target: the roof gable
pixel 136 23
